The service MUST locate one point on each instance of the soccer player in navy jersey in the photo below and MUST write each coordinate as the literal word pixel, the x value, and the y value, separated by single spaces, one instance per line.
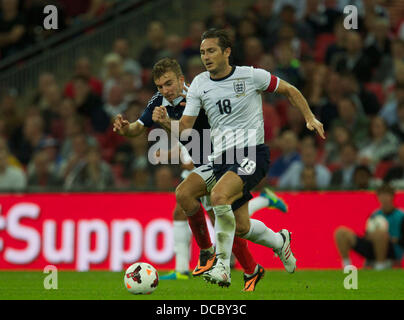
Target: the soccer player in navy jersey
pixel 169 81
pixel 231 98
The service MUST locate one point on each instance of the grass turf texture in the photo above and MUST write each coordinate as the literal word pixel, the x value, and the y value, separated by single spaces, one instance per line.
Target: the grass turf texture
pixel 276 285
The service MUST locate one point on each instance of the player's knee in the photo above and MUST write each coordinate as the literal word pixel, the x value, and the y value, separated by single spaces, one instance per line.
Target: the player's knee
pixel 378 235
pixel 340 233
pixel 217 198
pixel 242 229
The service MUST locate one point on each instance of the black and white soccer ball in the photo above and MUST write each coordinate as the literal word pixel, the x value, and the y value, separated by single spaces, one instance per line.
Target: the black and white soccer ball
pixel 141 278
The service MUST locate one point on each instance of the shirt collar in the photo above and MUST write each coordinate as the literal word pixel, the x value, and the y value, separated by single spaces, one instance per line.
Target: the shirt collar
pixel 176 101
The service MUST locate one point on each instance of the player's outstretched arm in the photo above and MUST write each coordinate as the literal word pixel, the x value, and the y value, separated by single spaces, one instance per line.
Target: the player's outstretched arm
pixel 298 100
pixel 127 129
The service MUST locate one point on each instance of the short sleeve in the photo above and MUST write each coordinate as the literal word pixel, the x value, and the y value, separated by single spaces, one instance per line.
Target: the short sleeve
pixel 265 81
pixel 193 104
pixel 147 117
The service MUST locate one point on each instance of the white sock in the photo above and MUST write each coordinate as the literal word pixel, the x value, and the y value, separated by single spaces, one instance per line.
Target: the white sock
pixel 256 204
pixel 259 233
pixel 182 240
pixel 225 227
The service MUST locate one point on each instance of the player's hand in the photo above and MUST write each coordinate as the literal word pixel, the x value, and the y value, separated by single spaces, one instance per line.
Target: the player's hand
pixel 160 114
pixel 314 124
pixel 184 95
pixel 121 126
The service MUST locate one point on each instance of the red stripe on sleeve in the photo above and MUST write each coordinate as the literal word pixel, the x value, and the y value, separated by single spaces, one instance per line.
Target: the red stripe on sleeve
pixel 272 84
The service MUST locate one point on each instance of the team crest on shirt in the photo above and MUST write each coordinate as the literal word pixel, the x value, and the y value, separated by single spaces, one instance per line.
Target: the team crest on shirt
pixel 239 87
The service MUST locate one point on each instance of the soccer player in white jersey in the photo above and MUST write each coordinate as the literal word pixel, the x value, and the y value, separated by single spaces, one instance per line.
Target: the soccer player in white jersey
pixel 231 98
pixel 169 80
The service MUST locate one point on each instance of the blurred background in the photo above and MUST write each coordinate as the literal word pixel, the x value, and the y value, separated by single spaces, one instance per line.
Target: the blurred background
pixel 60 89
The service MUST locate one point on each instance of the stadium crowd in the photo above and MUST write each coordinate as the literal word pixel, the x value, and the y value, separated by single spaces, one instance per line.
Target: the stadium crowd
pixel 352 79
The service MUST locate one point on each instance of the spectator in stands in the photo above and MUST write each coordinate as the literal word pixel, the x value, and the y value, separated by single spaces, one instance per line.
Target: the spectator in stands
pixel 339 45
pixel 112 72
pixel 291 178
pixel 76 159
pixel 156 41
pixel 295 122
pixel 194 67
pixel 288 144
pixel 141 177
pixel 93 174
pixel 130 86
pixel 26 140
pixel 219 17
pixel 45 80
pixel 398 128
pixel 173 49
pixel 10 112
pixel 90 105
pixel 13 31
pixel 288 67
pixel 350 116
pixel 12 178
pixel 382 144
pixel 164 178
pixel 321 16
pixel 354 59
pixel 363 179
pixel 328 83
pixel 395 175
pixel 380 247
pixel 389 110
pixel 366 100
pixel 73 126
pixel 115 103
pixel 84 10
pixel 246 29
pixel 342 178
pixel 121 47
pixel 308 179
pixel 338 137
pixel 377 44
pixel 190 46
pixel 254 51
pixel 42 172
pixel 51 101
pixel 83 69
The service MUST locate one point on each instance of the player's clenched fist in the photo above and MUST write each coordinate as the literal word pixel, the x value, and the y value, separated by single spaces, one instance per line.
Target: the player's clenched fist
pixel 121 126
pixel 159 114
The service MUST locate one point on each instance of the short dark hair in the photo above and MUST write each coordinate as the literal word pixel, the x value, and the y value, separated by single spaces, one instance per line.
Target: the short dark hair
pixel 165 65
pixel 221 35
pixel 386 188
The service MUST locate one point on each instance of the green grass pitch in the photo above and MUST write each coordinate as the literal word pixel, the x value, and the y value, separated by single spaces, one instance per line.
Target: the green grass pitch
pixel 276 285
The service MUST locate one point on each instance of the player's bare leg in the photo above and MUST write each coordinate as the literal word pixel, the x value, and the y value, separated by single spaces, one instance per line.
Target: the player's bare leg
pixel 380 241
pixel 345 239
pixel 189 191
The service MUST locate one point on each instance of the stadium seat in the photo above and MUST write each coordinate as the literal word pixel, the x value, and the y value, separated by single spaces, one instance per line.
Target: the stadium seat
pixel 382 168
pixel 377 90
pixel 322 42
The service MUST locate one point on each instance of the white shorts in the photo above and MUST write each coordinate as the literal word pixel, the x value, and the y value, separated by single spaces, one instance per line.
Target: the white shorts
pixel 205 171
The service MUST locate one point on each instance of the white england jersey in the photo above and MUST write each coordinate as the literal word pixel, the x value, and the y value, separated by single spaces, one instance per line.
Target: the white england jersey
pixel 233 106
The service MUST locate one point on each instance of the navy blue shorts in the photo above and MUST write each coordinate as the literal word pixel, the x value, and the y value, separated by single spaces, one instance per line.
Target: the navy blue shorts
pixel 250 164
pixel 365 248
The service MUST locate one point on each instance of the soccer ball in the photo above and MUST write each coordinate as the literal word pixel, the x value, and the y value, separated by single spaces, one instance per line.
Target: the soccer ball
pixel 377 223
pixel 141 278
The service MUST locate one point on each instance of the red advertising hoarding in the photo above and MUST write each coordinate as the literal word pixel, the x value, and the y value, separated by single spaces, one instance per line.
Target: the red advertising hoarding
pixel 109 231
